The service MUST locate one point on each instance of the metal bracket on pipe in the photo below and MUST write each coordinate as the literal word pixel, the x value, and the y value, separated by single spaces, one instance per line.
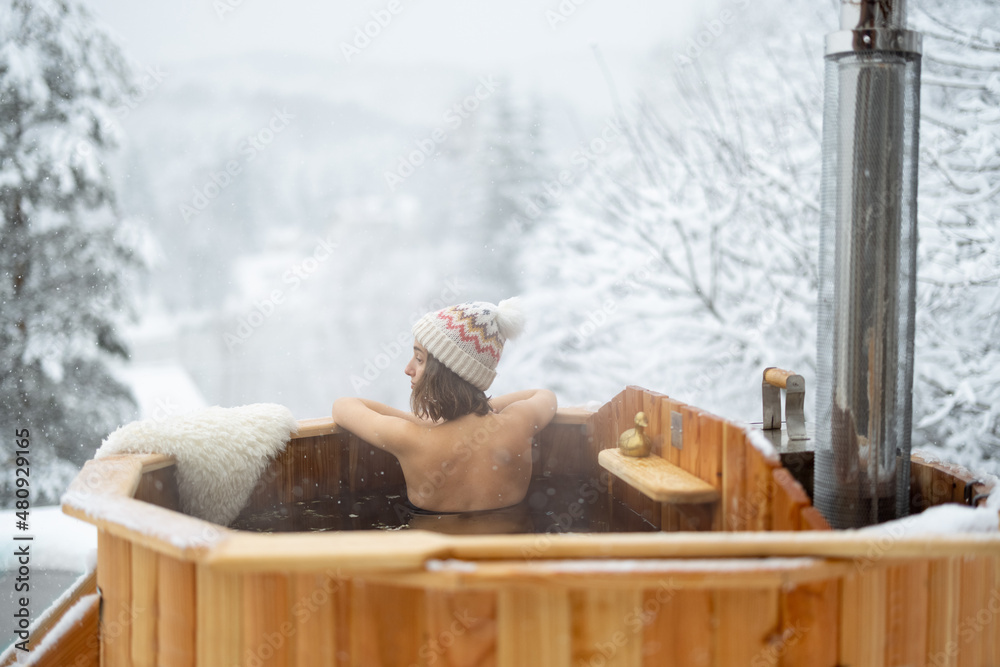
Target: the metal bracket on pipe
pixel 776 379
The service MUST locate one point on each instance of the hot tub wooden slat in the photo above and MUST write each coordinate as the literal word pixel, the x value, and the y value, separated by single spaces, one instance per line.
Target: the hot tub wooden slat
pixel 694 615
pixel 973 609
pixel 533 627
pixel 144 606
pixel 657 478
pixel 603 627
pixel 943 600
pixel 689 453
pixel 809 625
pixel 176 613
pixel 651 406
pixel 266 610
pixel 991 632
pixel 862 619
pixel 906 613
pixel 733 478
pixel 812 519
pixel 467 620
pixel 388 626
pixel 314 599
pixel 760 488
pixel 710 458
pixel 745 621
pixel 562 451
pixel 219 630
pixel 790 499
pixel 114 580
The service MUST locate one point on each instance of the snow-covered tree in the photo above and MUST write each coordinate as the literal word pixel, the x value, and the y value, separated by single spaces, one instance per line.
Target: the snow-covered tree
pixel 957 381
pixel 65 269
pixel 687 262
pixel 684 260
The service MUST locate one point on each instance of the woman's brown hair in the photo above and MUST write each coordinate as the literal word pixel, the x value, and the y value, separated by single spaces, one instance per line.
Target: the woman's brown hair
pixel 442 394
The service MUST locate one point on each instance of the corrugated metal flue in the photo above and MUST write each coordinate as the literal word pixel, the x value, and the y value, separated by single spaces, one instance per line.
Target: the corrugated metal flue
pixel 867 265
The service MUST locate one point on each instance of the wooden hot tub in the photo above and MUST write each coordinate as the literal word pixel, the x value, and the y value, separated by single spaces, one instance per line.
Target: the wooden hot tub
pixel 746 572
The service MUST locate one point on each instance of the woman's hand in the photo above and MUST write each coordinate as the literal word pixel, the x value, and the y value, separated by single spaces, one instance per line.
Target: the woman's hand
pixel 376 423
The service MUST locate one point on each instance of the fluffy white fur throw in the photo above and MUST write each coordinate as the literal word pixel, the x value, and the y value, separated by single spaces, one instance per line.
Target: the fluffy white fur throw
pixel 220 452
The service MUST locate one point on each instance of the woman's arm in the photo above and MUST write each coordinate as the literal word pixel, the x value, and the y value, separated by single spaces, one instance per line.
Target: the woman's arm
pixel 390 411
pixel 536 407
pixel 395 434
pixel 498 403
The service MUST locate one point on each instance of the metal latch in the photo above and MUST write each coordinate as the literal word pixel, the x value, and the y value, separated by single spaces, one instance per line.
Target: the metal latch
pixel 776 379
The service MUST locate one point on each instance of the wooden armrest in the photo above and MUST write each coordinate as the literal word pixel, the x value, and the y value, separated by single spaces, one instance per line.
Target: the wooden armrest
pixel 657 478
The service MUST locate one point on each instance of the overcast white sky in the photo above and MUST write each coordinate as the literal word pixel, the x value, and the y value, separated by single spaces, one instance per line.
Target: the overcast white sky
pixel 516 37
pixel 479 33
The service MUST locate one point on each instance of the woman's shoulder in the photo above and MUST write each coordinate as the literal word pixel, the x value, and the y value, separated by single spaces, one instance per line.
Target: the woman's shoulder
pixel 536 406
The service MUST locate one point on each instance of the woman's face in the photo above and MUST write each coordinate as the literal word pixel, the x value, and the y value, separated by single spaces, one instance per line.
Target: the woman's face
pixel 415 368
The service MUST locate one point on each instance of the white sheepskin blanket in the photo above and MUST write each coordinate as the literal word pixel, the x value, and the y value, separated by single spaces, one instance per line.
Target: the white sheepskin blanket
pixel 220 452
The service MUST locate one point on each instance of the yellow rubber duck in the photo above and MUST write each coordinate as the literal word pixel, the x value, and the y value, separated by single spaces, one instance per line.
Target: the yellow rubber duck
pixel 634 442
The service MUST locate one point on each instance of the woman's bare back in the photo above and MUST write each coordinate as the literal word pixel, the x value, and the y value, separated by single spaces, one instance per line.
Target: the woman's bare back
pixel 471 463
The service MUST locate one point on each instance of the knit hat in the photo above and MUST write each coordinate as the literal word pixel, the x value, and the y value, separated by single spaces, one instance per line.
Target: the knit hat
pixel 468 338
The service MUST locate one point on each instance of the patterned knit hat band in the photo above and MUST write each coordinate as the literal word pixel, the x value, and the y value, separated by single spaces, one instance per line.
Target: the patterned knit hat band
pixel 469 338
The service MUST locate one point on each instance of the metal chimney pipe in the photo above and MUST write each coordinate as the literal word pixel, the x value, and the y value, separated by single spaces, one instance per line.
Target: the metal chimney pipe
pixel 867 265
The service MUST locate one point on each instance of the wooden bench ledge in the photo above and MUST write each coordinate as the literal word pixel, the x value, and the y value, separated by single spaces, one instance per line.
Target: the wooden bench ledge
pixel 657 478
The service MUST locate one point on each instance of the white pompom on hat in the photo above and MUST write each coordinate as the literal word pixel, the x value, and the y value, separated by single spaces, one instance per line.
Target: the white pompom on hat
pixel 468 338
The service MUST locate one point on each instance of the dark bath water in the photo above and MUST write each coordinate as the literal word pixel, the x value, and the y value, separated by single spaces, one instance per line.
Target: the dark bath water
pixel 553 505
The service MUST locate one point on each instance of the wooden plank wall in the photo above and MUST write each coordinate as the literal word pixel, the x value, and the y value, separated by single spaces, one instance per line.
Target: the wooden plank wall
pixel 917 612
pixel 757 493
pixel 934 483
pixel 324 466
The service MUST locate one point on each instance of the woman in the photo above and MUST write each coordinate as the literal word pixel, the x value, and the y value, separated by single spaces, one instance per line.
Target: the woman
pixel 459 450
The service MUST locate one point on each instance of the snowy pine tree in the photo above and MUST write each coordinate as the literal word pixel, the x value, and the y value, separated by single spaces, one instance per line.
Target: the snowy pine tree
pixel 65 272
